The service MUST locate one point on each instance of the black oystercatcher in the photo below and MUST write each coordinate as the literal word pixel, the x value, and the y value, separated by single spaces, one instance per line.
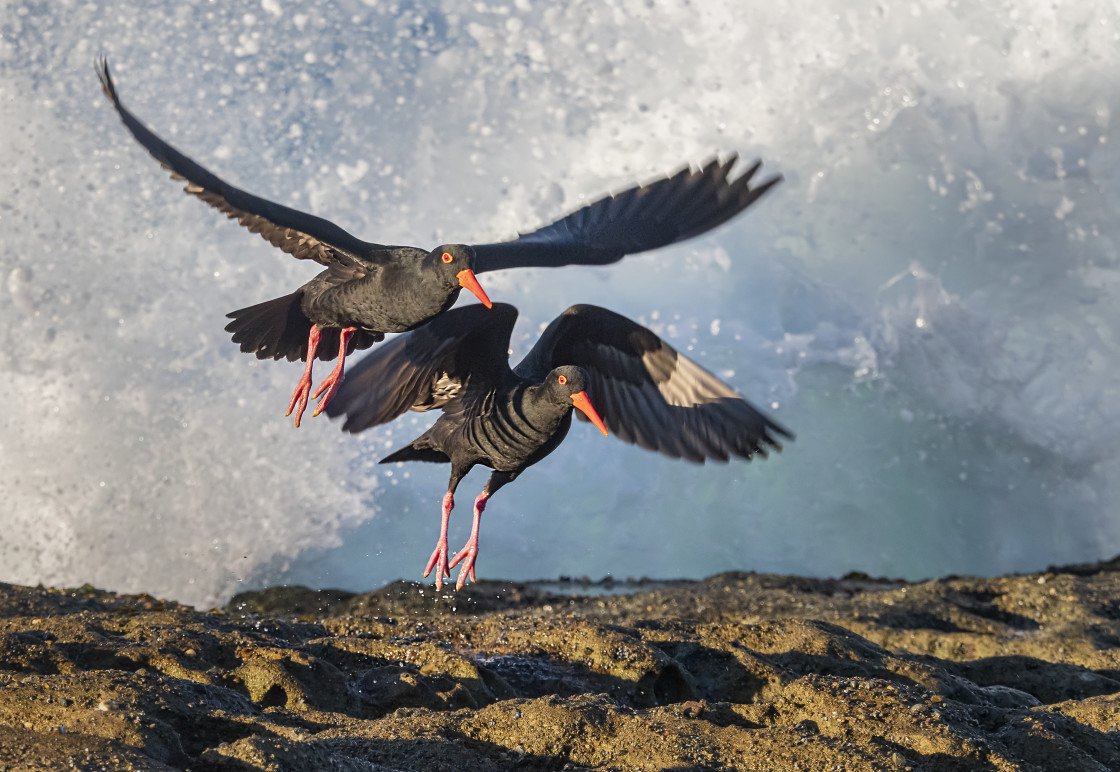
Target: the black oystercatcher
pixel 370 289
pixel 508 420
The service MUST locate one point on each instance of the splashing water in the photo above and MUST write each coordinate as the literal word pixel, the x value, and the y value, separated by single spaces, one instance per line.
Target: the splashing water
pixel 929 300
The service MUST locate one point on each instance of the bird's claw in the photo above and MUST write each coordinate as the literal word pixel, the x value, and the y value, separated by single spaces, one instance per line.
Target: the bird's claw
pixel 330 385
pixel 298 402
pixel 299 397
pixel 438 558
pixel 467 555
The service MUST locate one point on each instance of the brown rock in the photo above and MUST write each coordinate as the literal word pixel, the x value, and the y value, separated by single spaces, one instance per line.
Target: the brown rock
pixel 739 671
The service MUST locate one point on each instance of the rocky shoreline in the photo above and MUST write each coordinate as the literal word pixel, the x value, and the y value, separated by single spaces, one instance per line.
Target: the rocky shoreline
pixel 739 671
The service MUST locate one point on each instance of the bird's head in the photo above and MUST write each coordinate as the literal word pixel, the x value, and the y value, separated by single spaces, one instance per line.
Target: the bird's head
pixel 566 385
pixel 455 262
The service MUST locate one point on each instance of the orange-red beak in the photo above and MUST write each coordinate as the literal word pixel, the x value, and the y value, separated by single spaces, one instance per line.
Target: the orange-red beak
pixel 466 279
pixel 583 404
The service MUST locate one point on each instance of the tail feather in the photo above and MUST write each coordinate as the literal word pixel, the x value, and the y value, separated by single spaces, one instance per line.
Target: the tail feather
pixel 278 329
pixel 274 329
pixel 411 452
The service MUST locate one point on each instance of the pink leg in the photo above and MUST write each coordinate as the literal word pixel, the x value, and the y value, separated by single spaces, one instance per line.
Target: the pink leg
pixel 438 560
pixel 331 383
pixel 470 552
pixel 303 388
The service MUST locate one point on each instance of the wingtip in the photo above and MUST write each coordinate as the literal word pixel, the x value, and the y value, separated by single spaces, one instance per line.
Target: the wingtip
pixel 748 193
pixel 783 431
pixel 751 171
pixel 772 181
pixel 101 65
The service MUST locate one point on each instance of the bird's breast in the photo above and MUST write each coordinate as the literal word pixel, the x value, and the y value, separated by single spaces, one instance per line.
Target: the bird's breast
pixel 509 439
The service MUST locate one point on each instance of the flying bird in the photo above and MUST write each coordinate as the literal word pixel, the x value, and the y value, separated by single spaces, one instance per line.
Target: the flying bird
pixel 368 289
pixel 620 375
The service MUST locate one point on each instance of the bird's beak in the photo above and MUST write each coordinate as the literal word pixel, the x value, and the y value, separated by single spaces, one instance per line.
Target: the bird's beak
pixel 466 279
pixel 580 400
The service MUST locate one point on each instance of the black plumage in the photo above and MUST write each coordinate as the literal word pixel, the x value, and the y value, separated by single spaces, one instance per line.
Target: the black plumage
pixel 684 204
pixel 371 289
pixel 646 392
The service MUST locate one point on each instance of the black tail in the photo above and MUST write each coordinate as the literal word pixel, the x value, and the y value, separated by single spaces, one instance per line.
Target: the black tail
pixel 278 329
pixel 274 329
pixel 412 453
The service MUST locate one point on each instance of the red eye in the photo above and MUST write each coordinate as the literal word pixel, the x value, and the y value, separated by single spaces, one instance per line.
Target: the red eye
pixel 447 258
pixel 562 380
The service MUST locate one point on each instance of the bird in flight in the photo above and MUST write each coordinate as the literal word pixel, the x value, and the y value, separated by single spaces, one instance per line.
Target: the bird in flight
pixel 620 375
pixel 369 289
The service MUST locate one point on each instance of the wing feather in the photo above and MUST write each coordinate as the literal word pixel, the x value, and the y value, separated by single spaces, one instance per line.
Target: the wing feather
pixel 428 368
pixel 301 235
pixel 648 393
pixel 644 217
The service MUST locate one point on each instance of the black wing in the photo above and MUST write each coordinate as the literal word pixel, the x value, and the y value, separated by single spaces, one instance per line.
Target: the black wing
pixel 640 218
pixel 429 367
pixel 649 394
pixel 299 234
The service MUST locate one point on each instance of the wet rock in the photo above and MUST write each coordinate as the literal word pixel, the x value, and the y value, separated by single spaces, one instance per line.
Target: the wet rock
pixel 739 671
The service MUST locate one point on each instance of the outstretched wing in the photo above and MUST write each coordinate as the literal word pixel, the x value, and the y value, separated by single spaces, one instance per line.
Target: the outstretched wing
pixel 648 393
pixel 301 235
pixel 429 367
pixel 638 219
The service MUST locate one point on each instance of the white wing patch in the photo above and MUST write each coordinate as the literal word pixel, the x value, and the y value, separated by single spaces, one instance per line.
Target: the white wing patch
pixel 682 382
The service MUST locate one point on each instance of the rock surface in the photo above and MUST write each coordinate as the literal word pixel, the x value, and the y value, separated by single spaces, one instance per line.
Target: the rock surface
pixel 739 671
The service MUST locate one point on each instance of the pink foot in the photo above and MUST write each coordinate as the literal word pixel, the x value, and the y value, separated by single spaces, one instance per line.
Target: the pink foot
pixel 298 402
pixel 331 383
pixel 438 560
pixel 299 397
pixel 469 553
